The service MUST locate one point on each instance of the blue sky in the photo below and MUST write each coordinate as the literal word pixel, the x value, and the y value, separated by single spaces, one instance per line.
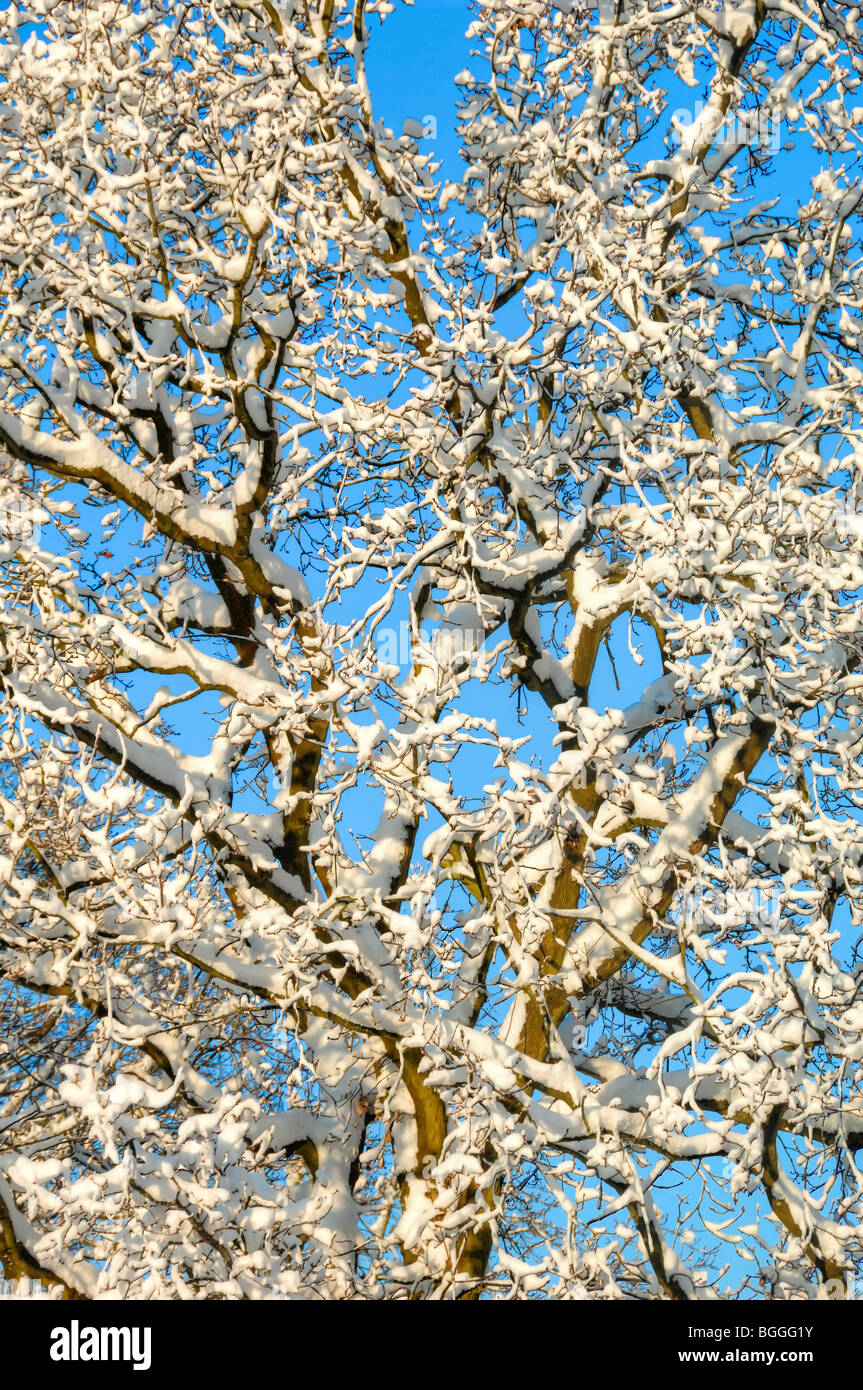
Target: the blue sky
pixel 411 60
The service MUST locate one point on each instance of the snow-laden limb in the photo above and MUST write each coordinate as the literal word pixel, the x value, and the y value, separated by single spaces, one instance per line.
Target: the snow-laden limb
pixel 431 757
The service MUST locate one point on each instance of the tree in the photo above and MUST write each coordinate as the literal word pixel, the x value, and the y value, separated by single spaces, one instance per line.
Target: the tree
pixel 340 496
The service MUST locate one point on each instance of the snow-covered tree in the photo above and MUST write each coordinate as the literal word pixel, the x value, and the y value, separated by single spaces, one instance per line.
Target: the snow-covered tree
pixel 358 938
